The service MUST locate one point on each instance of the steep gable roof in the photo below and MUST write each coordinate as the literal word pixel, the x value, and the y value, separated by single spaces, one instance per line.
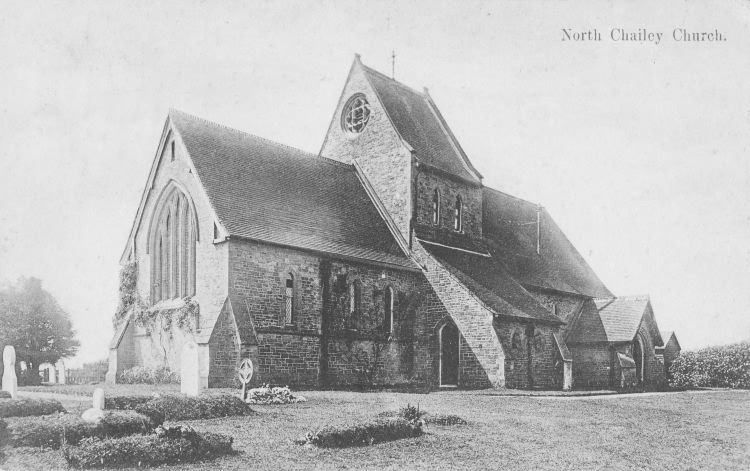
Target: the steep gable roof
pixel 509 227
pixel 490 283
pixel 612 320
pixel 418 121
pixel 272 193
pixel 667 336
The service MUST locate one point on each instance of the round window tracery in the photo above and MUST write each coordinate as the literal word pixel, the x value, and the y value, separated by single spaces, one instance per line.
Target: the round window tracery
pixel 356 114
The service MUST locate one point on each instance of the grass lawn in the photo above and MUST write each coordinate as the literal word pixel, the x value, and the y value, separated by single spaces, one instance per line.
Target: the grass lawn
pixel 672 431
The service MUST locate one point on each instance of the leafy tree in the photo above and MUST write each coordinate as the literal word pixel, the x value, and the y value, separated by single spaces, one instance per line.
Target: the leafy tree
pixel 37 326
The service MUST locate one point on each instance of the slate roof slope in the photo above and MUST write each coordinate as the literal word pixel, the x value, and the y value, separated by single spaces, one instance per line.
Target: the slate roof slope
pixel 269 192
pixel 491 284
pixel 509 228
pixel 609 320
pixel 426 132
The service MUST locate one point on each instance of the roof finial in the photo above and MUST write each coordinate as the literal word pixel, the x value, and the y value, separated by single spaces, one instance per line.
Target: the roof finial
pixel 426 90
pixel 357 58
pixel 393 64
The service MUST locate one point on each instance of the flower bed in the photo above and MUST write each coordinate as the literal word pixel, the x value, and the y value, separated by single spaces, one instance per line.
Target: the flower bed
pixel 167 446
pixel 367 433
pixel 29 407
pixel 174 407
pixel 268 395
pixel 53 431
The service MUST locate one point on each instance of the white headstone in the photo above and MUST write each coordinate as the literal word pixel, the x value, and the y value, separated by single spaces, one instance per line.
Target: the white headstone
pixel 190 383
pixel 61 372
pixel 10 381
pixel 96 413
pixel 98 399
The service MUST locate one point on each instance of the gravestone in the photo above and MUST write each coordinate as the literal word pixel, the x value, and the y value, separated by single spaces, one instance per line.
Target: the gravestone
pixel 245 374
pixel 10 381
pixel 190 372
pixel 61 372
pixel 96 413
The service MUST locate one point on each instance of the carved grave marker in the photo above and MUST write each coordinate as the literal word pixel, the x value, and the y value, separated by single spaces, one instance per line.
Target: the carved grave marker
pixel 245 374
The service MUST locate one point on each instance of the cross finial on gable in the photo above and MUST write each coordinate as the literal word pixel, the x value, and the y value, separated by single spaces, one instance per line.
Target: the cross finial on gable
pixel 393 64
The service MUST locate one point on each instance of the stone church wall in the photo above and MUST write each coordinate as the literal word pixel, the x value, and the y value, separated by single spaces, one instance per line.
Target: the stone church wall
pixel 291 354
pixel 378 149
pixel 449 188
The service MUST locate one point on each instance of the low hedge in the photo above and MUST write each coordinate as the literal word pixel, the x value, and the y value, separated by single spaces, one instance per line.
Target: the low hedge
pixel 5 394
pixel 192 408
pixel 55 431
pixel 368 433
pixel 149 450
pixel 149 375
pixel 126 402
pixel 726 366
pixel 29 407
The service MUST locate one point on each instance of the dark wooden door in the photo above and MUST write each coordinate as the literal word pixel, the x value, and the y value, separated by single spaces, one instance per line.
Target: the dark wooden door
pixel 449 355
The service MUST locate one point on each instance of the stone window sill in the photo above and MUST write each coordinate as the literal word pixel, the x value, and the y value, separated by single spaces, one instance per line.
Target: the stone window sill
pixel 168 304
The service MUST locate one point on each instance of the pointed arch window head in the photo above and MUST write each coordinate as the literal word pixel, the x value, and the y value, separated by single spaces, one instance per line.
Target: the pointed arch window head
pixel 436 207
pixel 458 215
pixel 172 249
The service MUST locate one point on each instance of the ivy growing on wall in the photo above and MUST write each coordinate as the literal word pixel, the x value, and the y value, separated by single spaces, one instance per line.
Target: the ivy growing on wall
pixel 128 292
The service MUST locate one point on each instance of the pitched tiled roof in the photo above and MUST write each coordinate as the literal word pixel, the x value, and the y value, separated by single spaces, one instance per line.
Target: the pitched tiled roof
pixel 269 192
pixel 609 320
pixel 491 284
pixel 426 131
pixel 509 227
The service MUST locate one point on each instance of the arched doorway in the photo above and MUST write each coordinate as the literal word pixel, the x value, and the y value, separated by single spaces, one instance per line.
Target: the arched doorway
pixel 449 355
pixel 638 358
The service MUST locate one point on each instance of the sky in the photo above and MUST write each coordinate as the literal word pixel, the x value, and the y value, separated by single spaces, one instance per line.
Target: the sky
pixel 638 150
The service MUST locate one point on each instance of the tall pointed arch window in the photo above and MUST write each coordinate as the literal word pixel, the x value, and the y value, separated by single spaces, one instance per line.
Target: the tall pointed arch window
pixel 458 215
pixel 355 297
pixel 172 249
pixel 289 299
pixel 436 207
pixel 388 305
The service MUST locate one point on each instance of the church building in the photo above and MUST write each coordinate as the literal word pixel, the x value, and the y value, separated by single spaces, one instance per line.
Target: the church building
pixel 382 259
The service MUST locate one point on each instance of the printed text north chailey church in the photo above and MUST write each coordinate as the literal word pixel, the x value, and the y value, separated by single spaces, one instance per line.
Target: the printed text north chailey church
pixel 642 35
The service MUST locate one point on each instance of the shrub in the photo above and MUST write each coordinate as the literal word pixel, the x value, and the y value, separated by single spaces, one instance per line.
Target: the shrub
pixel 368 433
pixel 723 367
pixel 29 407
pixel 191 408
pixel 411 413
pixel 126 402
pixel 161 374
pixel 268 395
pixel 151 450
pixel 5 395
pixel 68 428
pixel 444 419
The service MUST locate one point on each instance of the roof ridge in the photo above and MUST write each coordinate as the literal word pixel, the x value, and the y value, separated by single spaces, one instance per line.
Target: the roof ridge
pixel 511 196
pixel 402 85
pixel 277 144
pixel 635 296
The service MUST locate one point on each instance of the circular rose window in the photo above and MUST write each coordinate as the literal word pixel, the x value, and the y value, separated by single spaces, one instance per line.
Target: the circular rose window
pixel 356 114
